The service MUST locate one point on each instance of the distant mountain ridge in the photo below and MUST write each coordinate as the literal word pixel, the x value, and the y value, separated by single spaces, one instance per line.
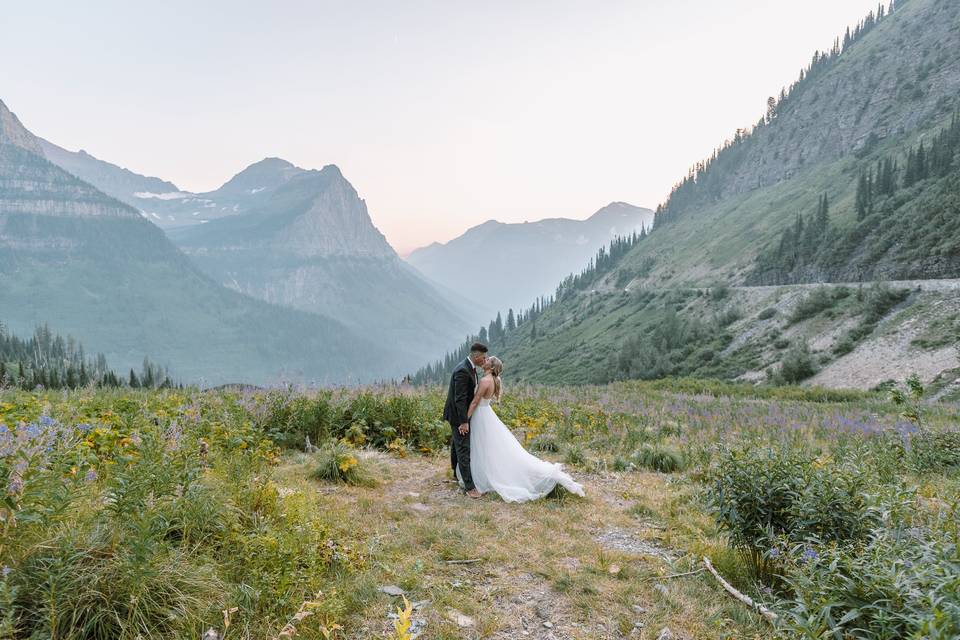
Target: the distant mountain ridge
pixel 162 202
pixel 94 267
pixel 524 260
pixel 295 237
pixel 310 244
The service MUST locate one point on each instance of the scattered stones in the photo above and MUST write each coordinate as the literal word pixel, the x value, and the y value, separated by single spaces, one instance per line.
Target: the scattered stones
pixel 548 624
pixel 392 590
pixel 622 540
pixel 614 569
pixel 211 634
pixel 461 619
pixel 637 609
pixel 661 589
pixel 419 507
pixel 665 634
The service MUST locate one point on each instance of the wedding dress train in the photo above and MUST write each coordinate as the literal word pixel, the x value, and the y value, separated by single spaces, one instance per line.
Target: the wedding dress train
pixel 499 462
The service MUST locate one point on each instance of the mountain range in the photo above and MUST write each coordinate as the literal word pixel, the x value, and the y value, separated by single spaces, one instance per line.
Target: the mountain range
pixel 298 238
pixel 521 261
pixel 310 244
pixel 92 265
pixel 851 176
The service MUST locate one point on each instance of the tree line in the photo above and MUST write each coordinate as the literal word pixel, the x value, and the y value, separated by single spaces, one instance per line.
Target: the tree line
pixel 894 212
pixel 524 322
pixel 51 361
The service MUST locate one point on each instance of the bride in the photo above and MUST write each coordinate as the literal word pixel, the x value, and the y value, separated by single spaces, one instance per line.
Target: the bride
pixel 497 460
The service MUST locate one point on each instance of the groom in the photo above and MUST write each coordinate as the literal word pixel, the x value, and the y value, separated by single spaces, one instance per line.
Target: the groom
pixel 463 383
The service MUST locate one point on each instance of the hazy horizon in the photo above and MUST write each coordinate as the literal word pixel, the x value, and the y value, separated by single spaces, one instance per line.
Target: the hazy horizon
pixel 442 115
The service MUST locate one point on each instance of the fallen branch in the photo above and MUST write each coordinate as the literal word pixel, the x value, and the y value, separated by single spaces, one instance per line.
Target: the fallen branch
pixel 745 599
pixel 679 575
pixel 470 561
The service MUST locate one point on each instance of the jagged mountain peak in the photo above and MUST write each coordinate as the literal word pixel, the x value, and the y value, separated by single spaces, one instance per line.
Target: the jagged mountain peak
pixel 13 132
pixel 264 175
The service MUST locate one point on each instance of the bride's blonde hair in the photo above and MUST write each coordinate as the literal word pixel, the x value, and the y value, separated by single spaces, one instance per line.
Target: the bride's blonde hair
pixel 496 368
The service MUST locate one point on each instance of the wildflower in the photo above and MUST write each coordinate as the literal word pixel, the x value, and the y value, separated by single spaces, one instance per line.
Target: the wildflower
pixel 91 475
pixel 136 439
pixel 810 555
pixel 774 552
pixel 15 484
pixel 5 571
pixel 84 428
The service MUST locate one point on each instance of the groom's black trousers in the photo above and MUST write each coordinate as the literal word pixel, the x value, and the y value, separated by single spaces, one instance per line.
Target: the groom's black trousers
pixel 460 455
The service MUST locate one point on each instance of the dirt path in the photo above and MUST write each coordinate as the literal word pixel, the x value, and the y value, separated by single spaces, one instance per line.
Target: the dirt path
pixel 571 569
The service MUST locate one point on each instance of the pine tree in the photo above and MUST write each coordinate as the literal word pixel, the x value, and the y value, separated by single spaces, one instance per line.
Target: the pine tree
pixel 134 380
pixel 861 197
pixel 511 321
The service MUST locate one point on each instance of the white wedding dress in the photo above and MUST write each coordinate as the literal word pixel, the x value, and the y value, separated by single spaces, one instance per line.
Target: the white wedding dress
pixel 499 462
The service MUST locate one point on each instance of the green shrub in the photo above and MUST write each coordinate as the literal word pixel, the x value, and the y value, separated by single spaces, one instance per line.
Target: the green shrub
pixel 88 582
pixel 813 304
pixel 545 442
pixel 935 451
pixel 899 586
pixel 843 347
pixel 720 292
pixel 767 313
pixel 575 456
pixel 658 459
pixel 289 418
pixel 797 364
pixel 761 497
pixel 340 462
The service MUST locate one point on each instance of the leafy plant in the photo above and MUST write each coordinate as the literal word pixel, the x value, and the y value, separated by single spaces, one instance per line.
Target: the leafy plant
pixel 910 399
pixel 340 462
pixel 658 459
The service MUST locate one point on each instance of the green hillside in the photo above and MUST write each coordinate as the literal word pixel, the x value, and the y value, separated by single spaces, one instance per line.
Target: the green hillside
pixel 838 153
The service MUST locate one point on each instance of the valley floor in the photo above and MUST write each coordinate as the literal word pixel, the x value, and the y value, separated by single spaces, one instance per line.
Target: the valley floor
pixel 603 567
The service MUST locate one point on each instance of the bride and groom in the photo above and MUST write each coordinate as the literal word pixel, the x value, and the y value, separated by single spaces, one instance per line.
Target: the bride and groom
pixel 484 454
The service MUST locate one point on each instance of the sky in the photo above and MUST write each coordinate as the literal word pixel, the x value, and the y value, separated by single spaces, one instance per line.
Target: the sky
pixel 442 114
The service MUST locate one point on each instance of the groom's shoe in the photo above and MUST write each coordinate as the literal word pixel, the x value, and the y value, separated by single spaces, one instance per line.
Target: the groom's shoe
pixel 473 493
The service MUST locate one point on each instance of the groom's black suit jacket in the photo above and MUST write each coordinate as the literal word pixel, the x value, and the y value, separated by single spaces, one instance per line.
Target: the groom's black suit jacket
pixel 463 383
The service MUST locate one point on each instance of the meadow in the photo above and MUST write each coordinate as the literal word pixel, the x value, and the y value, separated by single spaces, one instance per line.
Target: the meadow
pixel 332 514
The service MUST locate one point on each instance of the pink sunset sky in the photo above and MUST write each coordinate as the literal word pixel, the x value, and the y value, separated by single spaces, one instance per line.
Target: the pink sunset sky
pixel 442 114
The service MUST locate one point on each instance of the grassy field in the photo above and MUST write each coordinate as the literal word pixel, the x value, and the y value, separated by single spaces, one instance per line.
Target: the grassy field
pixel 163 514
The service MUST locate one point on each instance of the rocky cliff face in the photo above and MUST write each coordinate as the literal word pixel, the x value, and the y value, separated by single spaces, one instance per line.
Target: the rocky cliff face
pixel 311 245
pixel 12 132
pixel 896 80
pixel 336 223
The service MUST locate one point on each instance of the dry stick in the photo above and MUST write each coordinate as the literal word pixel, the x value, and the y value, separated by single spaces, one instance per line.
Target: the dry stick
pixel 745 599
pixel 677 575
pixel 470 561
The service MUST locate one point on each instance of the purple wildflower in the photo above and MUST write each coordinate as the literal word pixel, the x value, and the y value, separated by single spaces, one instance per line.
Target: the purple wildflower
pixel 15 484
pixel 90 476
pixel 774 552
pixel 5 571
pixel 810 555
